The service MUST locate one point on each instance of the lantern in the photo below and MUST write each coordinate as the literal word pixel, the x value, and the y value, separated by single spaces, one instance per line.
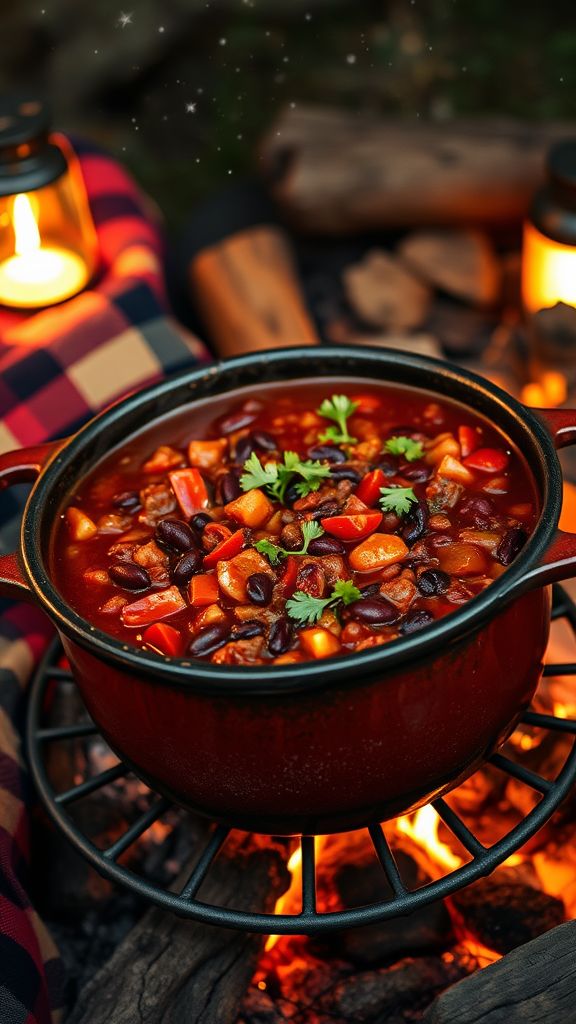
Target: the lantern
pixel 47 237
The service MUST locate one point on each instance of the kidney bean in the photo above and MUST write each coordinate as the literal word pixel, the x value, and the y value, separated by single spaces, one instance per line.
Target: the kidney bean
pixel 326 453
pixel 325 509
pixel 415 522
pixel 478 511
pixel 235 421
pixel 247 630
pixel 186 566
pixel 511 544
pixel 388 465
pixel 433 582
pixel 244 448
pixel 129 576
pixel 263 440
pixel 374 611
pixel 390 522
pixel 418 474
pixel 291 537
pixel 259 588
pixel 370 590
pixel 209 639
pixel 126 499
pixel 345 473
pixel 200 520
pixel 172 533
pixel 280 636
pixel 228 488
pixel 326 546
pixel 416 620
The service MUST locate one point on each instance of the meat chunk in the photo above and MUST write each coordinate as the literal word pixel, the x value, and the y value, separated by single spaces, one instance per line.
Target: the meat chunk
pixel 240 652
pixel 157 501
pixel 442 494
pixel 150 555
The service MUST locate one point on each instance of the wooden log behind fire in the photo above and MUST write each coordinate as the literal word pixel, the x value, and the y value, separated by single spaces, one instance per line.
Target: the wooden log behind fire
pixel 535 984
pixel 180 972
pixel 336 172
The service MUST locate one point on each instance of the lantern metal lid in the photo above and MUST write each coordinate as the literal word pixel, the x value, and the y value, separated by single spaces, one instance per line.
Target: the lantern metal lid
pixel 28 160
pixel 553 211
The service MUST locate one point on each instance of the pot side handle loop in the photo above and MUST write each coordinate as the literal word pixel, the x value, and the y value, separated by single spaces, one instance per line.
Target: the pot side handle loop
pixel 18 467
pixel 559 562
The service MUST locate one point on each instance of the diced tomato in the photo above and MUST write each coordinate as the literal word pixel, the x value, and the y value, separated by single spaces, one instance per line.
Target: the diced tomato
pixel 487 460
pixel 288 579
pixel 468 438
pixel 368 405
pixel 190 490
pixel 227 548
pixel 163 638
pixel 352 527
pixel 155 606
pixel 368 489
pixel 203 590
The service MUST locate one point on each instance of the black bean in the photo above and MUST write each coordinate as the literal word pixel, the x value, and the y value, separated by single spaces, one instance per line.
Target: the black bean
pixel 173 533
pixel 415 522
pixel 326 546
pixel 417 474
pixel 345 473
pixel 326 453
pixel 330 507
pixel 259 588
pixel 235 421
pixel 228 488
pixel 416 620
pixel 280 636
pixel 129 576
pixel 264 441
pixel 247 630
pixel 200 520
pixel 511 544
pixel 244 448
pixel 209 639
pixel 126 499
pixel 374 611
pixel 291 493
pixel 388 465
pixel 189 563
pixel 432 582
pixel 370 590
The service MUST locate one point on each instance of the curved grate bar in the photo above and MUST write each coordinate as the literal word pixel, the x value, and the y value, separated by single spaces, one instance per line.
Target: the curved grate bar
pixel 483 860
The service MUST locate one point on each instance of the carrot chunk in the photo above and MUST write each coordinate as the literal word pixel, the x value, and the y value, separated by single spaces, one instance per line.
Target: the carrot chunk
pixel 80 525
pixel 203 590
pixel 155 606
pixel 207 454
pixel 377 551
pixel 251 509
pixel 462 559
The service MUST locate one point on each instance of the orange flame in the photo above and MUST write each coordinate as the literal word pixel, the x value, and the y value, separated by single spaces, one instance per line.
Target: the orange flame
pixel 422 828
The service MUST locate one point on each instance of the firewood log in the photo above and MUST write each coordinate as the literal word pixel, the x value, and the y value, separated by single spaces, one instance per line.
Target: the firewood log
pixel 335 172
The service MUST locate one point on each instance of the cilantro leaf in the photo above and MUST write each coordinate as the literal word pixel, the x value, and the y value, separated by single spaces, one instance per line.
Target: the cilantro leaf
pixel 307 610
pixel 257 475
pixel 411 450
pixel 397 499
pixel 310 530
pixel 338 408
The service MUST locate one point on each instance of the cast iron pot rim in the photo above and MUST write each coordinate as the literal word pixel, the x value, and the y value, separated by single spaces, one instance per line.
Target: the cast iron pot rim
pixel 352 669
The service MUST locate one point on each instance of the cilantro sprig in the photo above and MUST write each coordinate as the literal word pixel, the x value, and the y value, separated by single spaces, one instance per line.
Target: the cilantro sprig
pixel 275 477
pixel 338 408
pixel 411 450
pixel 306 610
pixel 397 499
pixel 310 530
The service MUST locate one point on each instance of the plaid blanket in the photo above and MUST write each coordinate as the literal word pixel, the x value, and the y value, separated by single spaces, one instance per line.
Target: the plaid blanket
pixel 57 367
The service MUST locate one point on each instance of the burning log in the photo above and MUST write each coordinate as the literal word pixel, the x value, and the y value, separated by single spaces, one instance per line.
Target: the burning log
pixel 533 984
pixel 335 172
pixel 177 971
pixel 503 914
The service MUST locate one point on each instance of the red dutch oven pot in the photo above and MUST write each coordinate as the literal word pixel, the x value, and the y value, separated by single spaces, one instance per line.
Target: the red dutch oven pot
pixel 319 746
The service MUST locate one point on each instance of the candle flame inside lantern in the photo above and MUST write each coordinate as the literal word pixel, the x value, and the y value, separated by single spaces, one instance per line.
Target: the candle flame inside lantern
pixel 37 274
pixel 548 271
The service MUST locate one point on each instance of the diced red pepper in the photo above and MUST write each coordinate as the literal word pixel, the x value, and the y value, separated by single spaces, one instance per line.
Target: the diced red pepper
pixel 163 638
pixel 225 549
pixel 487 460
pixel 288 579
pixel 155 606
pixel 203 590
pixel 368 405
pixel 352 527
pixel 190 490
pixel 368 489
pixel 468 439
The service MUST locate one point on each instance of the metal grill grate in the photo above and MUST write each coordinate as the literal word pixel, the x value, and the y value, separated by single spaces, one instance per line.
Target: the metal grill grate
pixel 309 921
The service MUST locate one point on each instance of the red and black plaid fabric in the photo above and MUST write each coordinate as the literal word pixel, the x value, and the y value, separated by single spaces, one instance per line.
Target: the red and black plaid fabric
pixel 58 366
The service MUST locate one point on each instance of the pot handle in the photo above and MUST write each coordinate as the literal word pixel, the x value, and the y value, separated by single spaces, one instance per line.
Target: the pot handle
pixel 559 562
pixel 18 467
